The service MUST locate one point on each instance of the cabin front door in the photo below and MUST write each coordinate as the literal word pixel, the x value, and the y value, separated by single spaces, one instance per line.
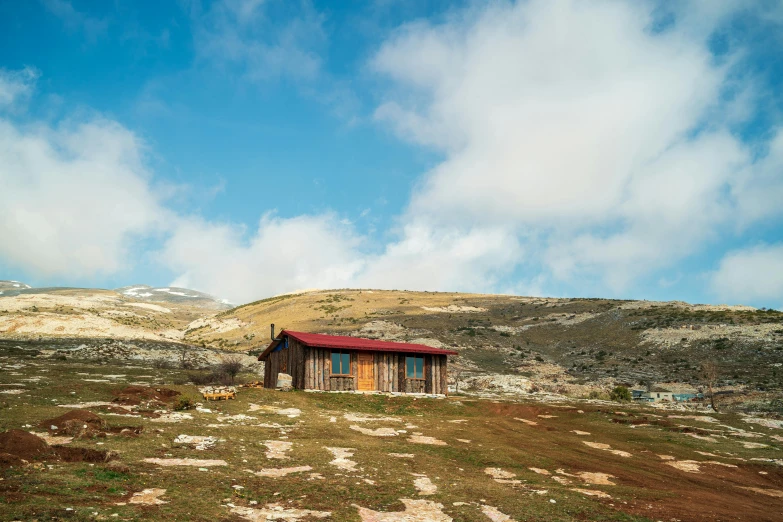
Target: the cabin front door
pixel 366 372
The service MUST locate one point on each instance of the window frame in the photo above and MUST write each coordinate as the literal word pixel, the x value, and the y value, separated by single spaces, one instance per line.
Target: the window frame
pixel 414 357
pixel 350 363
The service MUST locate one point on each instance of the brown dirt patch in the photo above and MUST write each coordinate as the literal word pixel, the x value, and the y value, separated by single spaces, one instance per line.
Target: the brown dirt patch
pixel 134 395
pixel 23 445
pixel 16 445
pixel 75 422
pixel 72 454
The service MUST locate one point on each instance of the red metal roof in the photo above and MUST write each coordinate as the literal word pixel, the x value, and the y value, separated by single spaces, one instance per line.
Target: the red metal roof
pixel 359 343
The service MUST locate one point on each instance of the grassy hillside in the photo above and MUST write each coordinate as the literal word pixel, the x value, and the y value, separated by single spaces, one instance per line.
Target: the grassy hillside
pixel 270 455
pixel 589 339
pixel 570 346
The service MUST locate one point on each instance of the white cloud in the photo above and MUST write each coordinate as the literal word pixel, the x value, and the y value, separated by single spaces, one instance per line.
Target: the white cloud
pixel 238 33
pixel 751 275
pixel 281 255
pixel 74 198
pixel 575 138
pixel 74 20
pixel 427 258
pixel 601 139
pixel 16 86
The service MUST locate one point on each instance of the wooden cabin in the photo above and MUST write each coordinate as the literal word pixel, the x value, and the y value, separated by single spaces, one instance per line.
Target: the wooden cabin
pixel 339 363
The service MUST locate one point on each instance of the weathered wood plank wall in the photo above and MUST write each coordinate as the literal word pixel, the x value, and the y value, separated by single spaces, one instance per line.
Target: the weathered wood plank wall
pixel 310 368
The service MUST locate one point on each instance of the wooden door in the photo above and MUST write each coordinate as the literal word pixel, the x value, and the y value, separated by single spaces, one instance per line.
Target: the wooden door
pixel 366 363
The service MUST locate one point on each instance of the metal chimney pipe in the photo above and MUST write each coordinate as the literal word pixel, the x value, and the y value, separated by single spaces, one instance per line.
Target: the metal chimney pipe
pixel 272 328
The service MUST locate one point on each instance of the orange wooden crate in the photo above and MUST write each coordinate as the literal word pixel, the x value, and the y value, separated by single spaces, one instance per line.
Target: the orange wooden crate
pixel 220 396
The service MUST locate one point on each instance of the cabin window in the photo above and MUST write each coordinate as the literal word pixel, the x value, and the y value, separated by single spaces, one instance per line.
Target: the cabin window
pixel 414 367
pixel 341 363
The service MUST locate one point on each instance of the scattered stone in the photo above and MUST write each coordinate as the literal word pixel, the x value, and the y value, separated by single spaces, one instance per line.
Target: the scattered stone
pixel 540 471
pixel 206 463
pixel 529 422
pixel 284 382
pixel 341 458
pixel 502 476
pixel 148 497
pixel 279 472
pixel 767 423
pixel 174 417
pixel 378 432
pixel 198 442
pixel 277 512
pixel 579 432
pixel 454 309
pixel 495 515
pixel 764 491
pixel 358 417
pixel 689 466
pixel 421 439
pixel 592 492
pixel 700 418
pixel 424 485
pixel 415 511
pixel 276 449
pixel 606 447
pixel 754 445
pixel 402 455
pixel 596 478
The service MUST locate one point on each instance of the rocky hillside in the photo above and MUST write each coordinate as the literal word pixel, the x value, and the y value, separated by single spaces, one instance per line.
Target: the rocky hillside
pixel 570 341
pixel 508 342
pixel 91 313
pixel 12 287
pixel 174 294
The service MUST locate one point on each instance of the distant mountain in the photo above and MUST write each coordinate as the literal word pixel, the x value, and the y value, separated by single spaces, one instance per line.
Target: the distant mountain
pixel 173 294
pixel 12 287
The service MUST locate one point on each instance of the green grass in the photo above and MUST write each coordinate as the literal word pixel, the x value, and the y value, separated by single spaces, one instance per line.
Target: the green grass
pixel 497 440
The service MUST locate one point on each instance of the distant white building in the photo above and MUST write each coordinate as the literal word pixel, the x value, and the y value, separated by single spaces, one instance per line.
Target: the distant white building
pixel 658 395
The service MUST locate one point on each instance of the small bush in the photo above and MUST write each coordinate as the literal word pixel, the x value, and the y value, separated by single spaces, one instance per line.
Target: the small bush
pixel 184 403
pixel 162 364
pixel 201 378
pixel 620 394
pixel 230 367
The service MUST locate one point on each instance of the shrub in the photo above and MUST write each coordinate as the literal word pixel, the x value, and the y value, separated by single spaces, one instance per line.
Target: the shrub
pixel 201 378
pixel 184 403
pixel 161 364
pixel 620 394
pixel 230 366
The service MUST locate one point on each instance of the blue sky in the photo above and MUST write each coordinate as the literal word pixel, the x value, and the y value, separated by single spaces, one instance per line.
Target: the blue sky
pixel 251 147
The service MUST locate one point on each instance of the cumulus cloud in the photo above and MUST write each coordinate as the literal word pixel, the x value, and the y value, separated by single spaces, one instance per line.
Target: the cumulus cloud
pixel 751 275
pixel 438 258
pixel 16 86
pixel 74 20
pixel 587 140
pixel 239 33
pixel 588 126
pixel 75 197
pixel 280 255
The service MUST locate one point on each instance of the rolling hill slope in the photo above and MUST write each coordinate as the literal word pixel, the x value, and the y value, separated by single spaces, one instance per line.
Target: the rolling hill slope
pixel 571 340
